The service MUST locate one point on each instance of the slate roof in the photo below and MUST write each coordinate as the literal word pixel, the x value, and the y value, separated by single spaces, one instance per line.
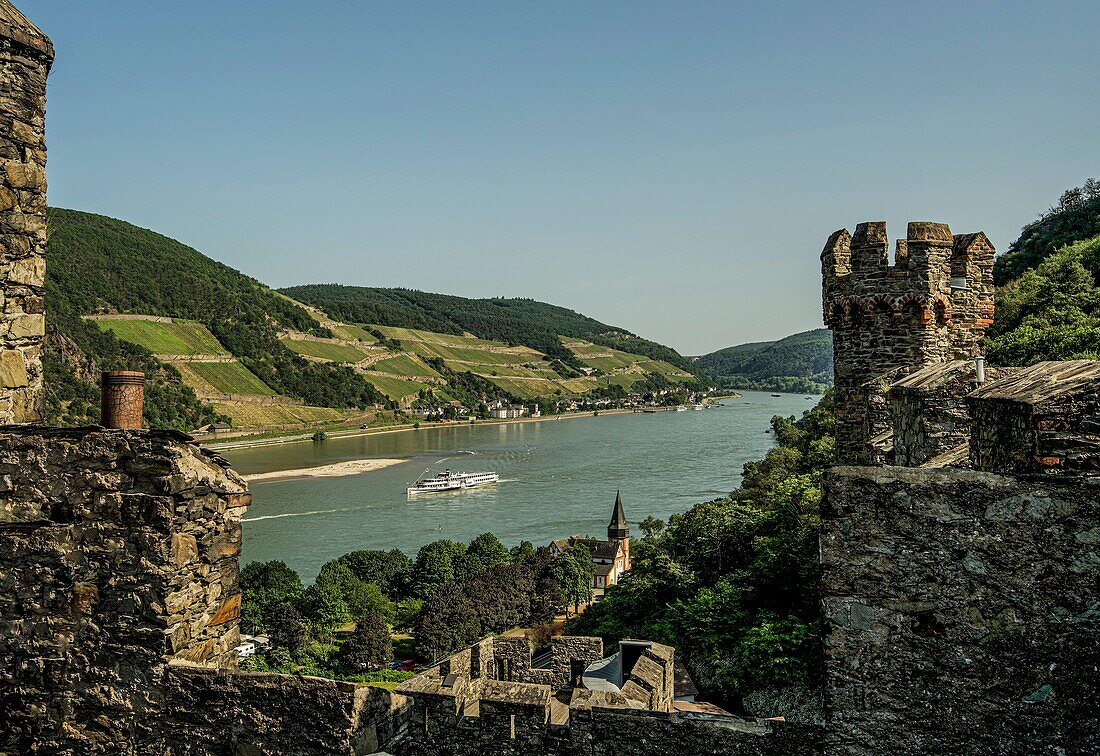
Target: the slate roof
pixel 15 25
pixel 618 518
pixel 1042 383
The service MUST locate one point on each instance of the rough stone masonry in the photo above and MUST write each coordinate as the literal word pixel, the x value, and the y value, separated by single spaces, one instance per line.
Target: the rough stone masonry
pixel 26 55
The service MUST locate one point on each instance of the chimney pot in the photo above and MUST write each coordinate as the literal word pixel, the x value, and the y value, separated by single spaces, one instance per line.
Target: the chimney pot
pixel 123 397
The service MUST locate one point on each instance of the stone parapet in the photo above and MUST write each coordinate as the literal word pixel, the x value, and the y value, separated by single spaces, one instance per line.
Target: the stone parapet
pixel 119 552
pixel 961 612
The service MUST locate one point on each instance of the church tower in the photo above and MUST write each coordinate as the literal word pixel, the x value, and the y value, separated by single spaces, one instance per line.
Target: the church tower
pixel 618 530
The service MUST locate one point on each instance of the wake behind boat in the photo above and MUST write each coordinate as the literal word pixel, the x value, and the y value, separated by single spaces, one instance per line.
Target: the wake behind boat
pixel 451 481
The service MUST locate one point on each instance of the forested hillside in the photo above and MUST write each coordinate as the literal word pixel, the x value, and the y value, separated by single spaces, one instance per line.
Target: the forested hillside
pixel 1048 307
pixel 801 362
pixel 512 321
pixel 1074 218
pixel 99 264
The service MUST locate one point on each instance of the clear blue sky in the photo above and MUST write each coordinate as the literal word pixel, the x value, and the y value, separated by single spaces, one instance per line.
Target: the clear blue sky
pixel 673 168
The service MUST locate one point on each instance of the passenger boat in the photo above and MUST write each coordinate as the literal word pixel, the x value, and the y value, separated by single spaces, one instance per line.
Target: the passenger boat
pixel 681 408
pixel 451 481
pixel 698 407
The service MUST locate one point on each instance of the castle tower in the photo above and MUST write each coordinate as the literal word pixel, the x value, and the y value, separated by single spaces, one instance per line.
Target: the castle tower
pixel 619 530
pixel 26 55
pixel 932 305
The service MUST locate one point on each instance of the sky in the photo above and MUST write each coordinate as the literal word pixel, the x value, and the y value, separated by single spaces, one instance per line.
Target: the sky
pixel 673 168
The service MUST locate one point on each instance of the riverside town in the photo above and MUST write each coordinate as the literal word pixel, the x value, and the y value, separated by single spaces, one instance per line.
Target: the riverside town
pixel 297 457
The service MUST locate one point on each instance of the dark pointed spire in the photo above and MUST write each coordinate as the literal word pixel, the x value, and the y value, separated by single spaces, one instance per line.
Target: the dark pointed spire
pixel 618 527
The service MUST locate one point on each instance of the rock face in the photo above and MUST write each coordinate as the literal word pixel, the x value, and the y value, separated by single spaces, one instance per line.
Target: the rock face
pixel 25 58
pixel 962 612
pixel 931 306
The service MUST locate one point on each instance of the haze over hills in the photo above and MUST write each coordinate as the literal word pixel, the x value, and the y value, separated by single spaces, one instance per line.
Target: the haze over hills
pixel 802 362
pixel 219 346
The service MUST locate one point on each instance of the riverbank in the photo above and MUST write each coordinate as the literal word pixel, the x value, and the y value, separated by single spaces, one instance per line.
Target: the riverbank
pixel 246 443
pixel 351 467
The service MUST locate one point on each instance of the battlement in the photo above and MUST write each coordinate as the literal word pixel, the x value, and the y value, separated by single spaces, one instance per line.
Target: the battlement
pixel 933 275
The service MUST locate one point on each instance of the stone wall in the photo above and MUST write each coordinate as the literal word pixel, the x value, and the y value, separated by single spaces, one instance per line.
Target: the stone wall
pixel 25 58
pixel 962 612
pixel 888 320
pixel 242 713
pixel 118 552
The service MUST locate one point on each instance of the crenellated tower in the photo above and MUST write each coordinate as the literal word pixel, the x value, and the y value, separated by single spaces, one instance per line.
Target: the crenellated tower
pixel 932 305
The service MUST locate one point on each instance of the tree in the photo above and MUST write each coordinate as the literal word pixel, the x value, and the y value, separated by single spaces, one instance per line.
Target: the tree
pixel 523 552
pixel 323 604
pixel 288 628
pixel 370 645
pixel 360 597
pixel 263 586
pixel 447 623
pixel 434 566
pixel 574 571
pixel 484 552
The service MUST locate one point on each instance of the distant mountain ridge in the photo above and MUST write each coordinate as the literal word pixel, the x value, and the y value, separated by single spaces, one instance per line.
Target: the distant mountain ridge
pixel 800 362
pixel 514 321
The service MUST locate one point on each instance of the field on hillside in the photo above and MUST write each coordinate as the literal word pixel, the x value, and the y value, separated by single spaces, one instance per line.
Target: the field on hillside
pixel 222 378
pixel 396 388
pixel 177 337
pixel 259 415
pixel 404 365
pixel 446 339
pixel 616 362
pixel 325 350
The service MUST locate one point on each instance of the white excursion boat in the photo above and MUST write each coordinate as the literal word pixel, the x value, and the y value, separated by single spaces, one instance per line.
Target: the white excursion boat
pixel 451 481
pixel 681 408
pixel 698 407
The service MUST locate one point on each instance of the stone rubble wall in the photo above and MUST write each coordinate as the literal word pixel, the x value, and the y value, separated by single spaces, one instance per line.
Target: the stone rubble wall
pixel 118 552
pixel 249 713
pixel 1060 438
pixel 961 612
pixel 23 71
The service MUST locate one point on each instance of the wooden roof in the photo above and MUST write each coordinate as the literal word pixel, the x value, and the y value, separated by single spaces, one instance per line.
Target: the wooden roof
pixel 1044 382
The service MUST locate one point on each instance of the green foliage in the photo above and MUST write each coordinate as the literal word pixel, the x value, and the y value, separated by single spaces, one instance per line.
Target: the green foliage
pixel 435 566
pixel 97 264
pixel 732 583
pixel 265 585
pixel 484 552
pixel 574 571
pixel 1051 312
pixel 369 647
pixel 390 570
pixel 800 363
pixel 512 321
pixel 338 596
pixel 287 627
pixel 1074 218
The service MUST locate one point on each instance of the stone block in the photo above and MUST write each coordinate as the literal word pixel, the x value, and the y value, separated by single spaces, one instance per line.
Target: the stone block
pixel 13 369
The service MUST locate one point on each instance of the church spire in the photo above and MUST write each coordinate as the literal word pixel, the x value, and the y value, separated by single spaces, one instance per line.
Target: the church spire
pixel 618 529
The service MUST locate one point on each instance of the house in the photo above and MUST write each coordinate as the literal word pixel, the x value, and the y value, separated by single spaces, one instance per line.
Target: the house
pixel 500 411
pixel 611 557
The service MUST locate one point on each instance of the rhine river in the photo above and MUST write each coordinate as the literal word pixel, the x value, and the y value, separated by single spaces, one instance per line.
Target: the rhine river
pixel 558 477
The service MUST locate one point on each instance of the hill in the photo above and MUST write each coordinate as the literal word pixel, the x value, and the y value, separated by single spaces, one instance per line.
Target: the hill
pixel 516 322
pixel 1075 218
pixel 219 346
pixel 801 362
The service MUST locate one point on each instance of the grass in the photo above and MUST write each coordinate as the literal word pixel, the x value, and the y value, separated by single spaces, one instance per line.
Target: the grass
pixel 581 385
pixel 404 365
pixel 447 339
pixel 526 389
pixel 324 350
pixel 178 337
pixel 396 388
pixel 222 378
pixel 258 415
pixel 352 333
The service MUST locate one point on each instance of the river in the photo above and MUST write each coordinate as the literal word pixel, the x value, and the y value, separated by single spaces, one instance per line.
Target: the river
pixel 558 477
